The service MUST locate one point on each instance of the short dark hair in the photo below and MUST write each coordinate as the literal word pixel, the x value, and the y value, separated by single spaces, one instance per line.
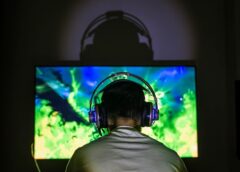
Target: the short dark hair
pixel 124 98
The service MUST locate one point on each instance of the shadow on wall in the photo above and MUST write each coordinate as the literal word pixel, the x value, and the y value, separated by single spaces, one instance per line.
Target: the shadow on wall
pixel 116 38
pixel 168 23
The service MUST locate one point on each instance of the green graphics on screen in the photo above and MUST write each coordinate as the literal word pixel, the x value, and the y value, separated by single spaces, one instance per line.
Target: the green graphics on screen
pixel 62 95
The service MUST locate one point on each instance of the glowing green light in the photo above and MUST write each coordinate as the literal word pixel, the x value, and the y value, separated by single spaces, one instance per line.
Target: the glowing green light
pixel 180 132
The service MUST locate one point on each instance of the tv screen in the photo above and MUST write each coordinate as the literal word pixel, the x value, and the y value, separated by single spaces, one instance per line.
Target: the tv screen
pixel 62 95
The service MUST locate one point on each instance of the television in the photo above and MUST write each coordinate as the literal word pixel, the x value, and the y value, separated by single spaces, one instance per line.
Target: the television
pixel 63 92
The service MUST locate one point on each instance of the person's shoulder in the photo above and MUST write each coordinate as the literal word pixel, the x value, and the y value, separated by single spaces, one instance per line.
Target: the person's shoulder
pixel 92 145
pixel 163 153
pixel 152 141
pixel 158 146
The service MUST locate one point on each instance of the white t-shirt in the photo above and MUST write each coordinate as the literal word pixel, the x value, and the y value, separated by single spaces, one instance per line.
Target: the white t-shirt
pixel 125 150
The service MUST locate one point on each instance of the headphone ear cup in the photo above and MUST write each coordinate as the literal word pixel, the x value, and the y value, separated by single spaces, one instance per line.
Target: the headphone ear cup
pixel 147 114
pixel 101 112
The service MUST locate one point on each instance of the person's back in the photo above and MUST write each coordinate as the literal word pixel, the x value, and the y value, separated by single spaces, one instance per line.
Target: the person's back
pixel 125 149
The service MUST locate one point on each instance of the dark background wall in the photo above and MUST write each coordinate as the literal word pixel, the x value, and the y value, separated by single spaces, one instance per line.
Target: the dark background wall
pixel 32 31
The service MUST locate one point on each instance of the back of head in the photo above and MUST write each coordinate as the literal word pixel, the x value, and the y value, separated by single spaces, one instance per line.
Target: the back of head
pixel 123 99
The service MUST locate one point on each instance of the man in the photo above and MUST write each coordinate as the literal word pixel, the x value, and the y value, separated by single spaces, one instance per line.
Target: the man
pixel 125 149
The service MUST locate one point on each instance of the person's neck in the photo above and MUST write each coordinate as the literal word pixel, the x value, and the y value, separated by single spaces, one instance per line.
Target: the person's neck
pixel 125 122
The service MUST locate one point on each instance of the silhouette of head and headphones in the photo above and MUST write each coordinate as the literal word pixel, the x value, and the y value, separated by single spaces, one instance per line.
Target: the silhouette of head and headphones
pixel 98 113
pixel 116 37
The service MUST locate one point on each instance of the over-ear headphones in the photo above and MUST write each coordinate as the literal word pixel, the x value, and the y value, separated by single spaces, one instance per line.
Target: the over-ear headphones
pixel 97 113
pixel 97 50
